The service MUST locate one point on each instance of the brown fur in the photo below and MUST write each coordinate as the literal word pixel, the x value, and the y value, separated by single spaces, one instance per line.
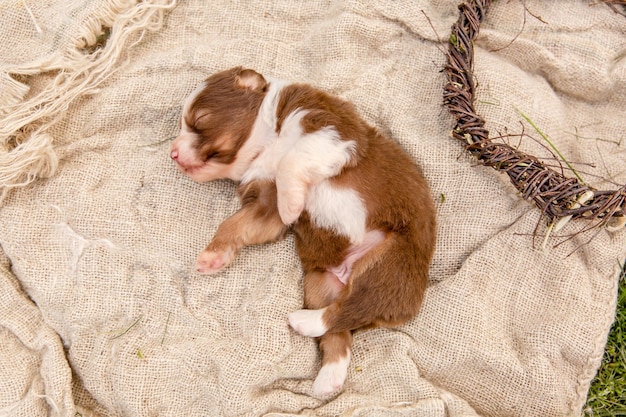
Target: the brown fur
pixel 387 284
pixel 212 120
pixel 257 221
pixel 324 110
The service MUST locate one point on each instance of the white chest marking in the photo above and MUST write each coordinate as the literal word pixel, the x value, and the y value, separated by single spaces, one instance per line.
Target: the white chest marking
pixel 337 209
pixel 307 158
pixel 298 162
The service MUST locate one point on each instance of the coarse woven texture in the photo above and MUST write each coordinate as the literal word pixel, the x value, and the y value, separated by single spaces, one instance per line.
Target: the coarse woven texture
pixel 100 311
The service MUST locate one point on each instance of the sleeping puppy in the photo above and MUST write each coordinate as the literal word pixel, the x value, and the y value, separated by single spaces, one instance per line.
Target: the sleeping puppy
pixel 360 210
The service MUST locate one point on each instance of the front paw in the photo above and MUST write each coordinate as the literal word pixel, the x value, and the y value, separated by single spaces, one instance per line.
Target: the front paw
pixel 212 261
pixel 290 206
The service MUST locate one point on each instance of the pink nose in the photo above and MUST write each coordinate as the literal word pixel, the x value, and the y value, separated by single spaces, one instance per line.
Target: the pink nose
pixel 174 155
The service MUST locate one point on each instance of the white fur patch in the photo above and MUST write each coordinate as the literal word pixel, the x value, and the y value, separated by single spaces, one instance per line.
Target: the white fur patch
pixel 300 164
pixel 263 135
pixel 308 322
pixel 331 377
pixel 296 161
pixel 313 158
pixel 320 154
pixel 338 209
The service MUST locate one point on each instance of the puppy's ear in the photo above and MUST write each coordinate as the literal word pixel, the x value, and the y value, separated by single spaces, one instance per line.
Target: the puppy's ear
pixel 251 80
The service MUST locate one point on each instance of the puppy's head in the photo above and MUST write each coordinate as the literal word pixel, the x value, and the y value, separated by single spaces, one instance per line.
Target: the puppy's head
pixel 217 120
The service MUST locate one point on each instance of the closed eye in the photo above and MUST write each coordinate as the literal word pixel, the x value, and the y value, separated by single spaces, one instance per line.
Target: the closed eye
pixel 200 117
pixel 212 155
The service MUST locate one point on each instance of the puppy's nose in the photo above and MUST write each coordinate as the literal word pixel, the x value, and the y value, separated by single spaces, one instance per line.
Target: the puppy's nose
pixel 174 155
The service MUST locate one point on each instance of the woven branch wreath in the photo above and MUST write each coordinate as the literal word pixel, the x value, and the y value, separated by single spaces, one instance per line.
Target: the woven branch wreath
pixel 559 198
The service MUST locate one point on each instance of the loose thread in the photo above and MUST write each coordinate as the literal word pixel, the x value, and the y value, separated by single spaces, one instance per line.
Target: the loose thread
pixel 128 329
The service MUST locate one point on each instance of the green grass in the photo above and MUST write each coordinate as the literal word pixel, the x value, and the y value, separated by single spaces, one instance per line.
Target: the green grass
pixel 607 395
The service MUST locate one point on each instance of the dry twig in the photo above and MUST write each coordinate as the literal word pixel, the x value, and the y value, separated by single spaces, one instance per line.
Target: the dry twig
pixel 558 197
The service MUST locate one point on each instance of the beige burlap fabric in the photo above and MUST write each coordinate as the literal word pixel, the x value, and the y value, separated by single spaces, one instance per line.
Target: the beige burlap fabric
pixel 100 311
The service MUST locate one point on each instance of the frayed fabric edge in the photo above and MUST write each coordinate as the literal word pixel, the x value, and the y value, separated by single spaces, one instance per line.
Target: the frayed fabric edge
pixel 26 149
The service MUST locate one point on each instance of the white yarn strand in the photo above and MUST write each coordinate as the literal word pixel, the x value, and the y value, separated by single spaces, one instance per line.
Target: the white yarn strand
pixel 79 74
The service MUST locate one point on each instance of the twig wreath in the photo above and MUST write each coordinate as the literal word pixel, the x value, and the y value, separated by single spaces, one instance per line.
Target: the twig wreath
pixel 559 198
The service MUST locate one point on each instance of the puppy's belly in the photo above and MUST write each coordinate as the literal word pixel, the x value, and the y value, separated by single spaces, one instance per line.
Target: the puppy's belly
pixel 333 233
pixel 338 209
pixel 355 252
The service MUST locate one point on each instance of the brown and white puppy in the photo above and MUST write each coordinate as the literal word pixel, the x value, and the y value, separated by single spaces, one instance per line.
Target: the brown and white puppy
pixel 360 210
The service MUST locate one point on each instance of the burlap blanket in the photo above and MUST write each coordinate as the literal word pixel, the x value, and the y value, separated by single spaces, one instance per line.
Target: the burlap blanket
pixel 101 313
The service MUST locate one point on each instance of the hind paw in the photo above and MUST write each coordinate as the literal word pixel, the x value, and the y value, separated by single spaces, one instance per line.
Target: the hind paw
pixel 331 377
pixel 308 322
